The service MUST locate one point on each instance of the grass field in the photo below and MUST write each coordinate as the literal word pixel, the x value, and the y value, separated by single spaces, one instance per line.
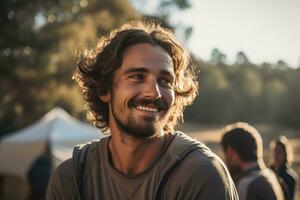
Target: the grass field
pixel 211 136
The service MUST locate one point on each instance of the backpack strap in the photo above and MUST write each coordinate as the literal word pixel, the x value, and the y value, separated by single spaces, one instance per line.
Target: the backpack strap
pixel 79 158
pixel 179 159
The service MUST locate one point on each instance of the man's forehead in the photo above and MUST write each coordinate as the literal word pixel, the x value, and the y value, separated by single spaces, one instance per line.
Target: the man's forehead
pixel 148 57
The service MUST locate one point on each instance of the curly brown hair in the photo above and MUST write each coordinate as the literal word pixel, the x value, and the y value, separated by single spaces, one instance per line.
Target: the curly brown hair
pixel 96 67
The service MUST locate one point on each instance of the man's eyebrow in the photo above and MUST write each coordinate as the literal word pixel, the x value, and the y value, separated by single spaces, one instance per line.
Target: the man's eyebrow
pixel 132 70
pixel 144 70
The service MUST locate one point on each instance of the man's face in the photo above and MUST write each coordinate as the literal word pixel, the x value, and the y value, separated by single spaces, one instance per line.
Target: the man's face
pixel 142 93
pixel 279 155
pixel 231 160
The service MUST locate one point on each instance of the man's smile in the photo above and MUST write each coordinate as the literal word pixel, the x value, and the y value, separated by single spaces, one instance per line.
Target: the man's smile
pixel 146 108
pixel 150 106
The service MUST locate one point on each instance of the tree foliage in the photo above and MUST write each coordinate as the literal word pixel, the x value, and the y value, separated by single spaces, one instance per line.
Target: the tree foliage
pixel 39 40
pixel 246 92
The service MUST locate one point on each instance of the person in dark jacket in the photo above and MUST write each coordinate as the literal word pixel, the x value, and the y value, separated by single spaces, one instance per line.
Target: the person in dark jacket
pixel 39 174
pixel 282 160
pixel 243 151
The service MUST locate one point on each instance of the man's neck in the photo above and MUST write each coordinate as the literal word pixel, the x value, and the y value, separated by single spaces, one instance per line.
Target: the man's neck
pixel 248 165
pixel 251 164
pixel 132 156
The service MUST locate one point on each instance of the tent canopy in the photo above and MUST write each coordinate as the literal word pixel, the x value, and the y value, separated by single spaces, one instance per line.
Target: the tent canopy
pixel 57 128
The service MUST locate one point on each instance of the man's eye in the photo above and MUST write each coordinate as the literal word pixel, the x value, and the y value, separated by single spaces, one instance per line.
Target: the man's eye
pixel 137 77
pixel 165 82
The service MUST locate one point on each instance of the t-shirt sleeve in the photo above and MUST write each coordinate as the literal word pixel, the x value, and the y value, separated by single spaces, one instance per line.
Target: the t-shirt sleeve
pixel 218 183
pixel 201 177
pixel 61 185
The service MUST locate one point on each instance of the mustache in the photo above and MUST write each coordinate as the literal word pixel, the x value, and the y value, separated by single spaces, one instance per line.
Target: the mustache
pixel 159 103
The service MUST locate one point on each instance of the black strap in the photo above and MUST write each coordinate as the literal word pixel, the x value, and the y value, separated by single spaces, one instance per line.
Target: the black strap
pixel 167 175
pixel 79 157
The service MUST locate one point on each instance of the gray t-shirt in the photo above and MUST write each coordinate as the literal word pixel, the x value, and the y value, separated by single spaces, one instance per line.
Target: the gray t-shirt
pixel 200 175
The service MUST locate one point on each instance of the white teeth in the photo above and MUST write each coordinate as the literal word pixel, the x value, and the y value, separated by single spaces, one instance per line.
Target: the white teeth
pixel 144 108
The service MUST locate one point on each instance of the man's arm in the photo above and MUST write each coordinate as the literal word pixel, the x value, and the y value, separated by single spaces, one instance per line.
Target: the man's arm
pixel 201 177
pixel 61 185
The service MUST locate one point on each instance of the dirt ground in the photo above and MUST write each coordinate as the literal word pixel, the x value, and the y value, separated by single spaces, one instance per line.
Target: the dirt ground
pixel 211 136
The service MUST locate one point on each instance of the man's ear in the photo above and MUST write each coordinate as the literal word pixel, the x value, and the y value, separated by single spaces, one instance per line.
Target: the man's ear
pixel 232 153
pixel 105 98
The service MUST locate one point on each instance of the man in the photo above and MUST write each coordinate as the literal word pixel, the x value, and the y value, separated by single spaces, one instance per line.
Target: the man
pixel 136 83
pixel 243 150
pixel 282 161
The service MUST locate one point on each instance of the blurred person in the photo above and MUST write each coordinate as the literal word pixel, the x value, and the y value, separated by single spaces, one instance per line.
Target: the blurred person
pixel 281 165
pixel 243 152
pixel 39 174
pixel 136 83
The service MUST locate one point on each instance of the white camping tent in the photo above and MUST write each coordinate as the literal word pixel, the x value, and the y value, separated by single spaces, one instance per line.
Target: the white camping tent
pixel 19 149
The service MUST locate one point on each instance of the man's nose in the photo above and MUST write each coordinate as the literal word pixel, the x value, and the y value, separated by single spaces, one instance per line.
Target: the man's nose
pixel 152 90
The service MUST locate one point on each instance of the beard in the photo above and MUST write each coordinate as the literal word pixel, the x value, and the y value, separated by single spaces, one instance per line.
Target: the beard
pixel 141 128
pixel 235 171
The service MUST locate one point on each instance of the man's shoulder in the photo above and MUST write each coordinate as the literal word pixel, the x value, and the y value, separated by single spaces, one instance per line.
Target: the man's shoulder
pixel 202 162
pixel 81 153
pixel 266 185
pixel 200 153
pixel 259 177
pixel 93 144
pixel 64 175
pixel 262 179
pixel 85 152
pixel 293 174
pixel 61 183
pixel 202 165
pixel 201 173
pixel 65 165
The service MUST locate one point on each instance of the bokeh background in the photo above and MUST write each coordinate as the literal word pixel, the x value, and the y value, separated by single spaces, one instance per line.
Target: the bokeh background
pixel 247 53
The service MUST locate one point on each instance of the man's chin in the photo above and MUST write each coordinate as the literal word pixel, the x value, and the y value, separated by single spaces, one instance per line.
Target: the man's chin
pixel 144 132
pixel 142 127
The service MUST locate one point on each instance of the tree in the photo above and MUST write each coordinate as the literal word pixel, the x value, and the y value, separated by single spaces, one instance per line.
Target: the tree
pixel 162 12
pixel 217 57
pixel 289 110
pixel 241 59
pixel 37 49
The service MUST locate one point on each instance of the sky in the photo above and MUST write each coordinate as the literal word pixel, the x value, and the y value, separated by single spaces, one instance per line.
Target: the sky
pixel 265 30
